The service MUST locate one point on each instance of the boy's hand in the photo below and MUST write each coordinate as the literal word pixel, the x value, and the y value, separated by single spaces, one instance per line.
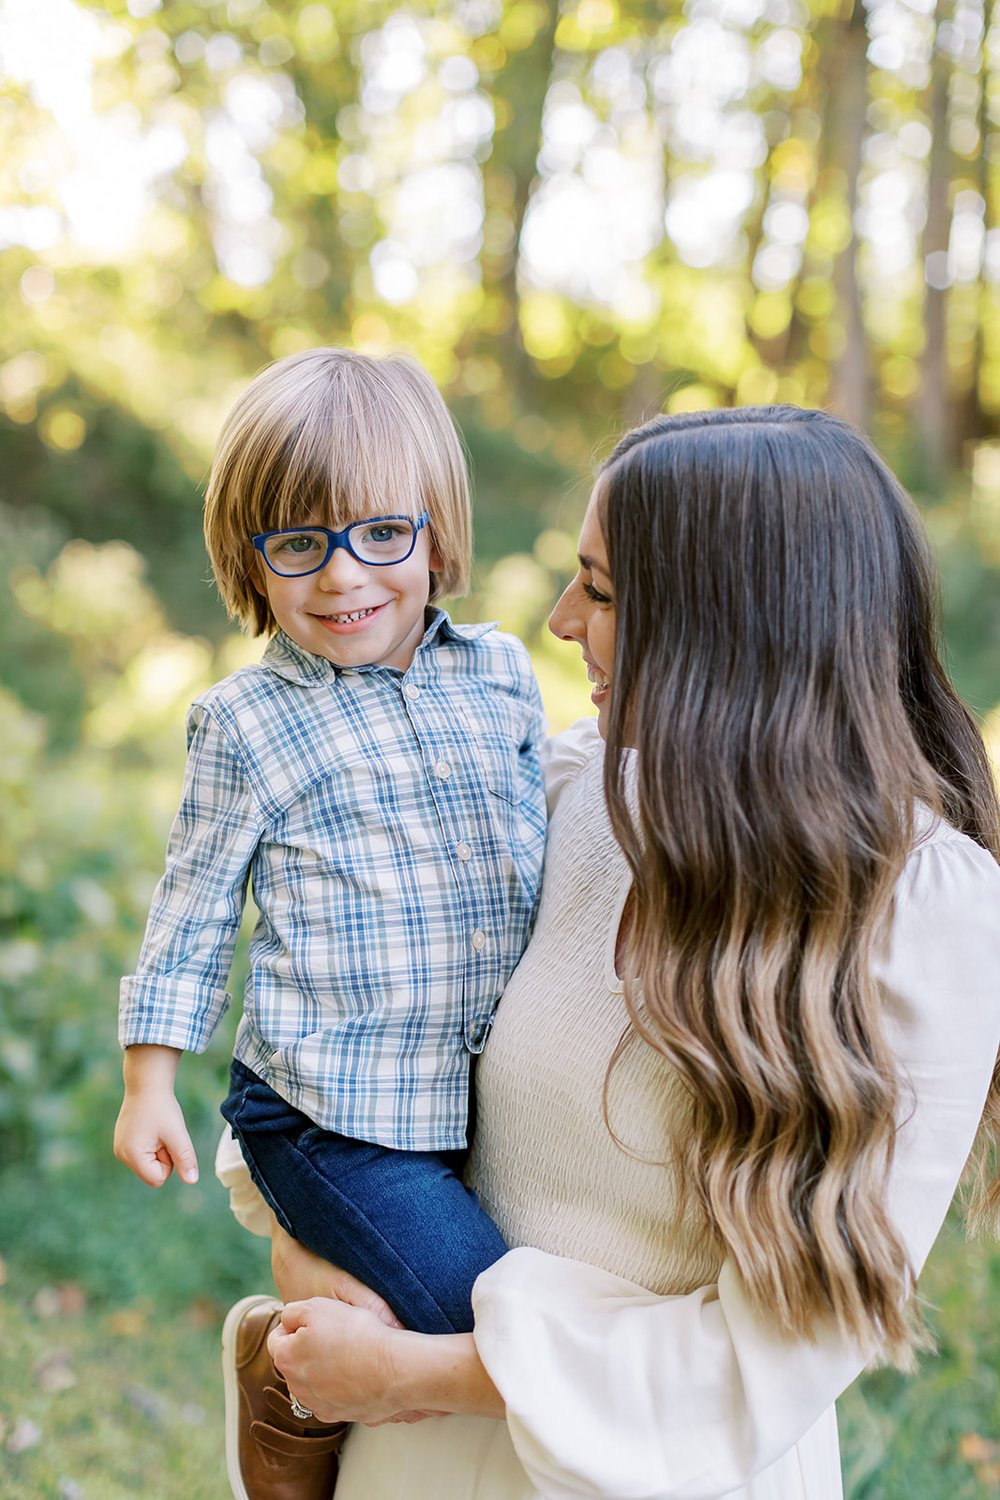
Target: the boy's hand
pixel 151 1137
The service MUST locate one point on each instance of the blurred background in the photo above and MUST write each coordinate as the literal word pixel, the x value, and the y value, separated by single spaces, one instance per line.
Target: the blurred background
pixel 575 214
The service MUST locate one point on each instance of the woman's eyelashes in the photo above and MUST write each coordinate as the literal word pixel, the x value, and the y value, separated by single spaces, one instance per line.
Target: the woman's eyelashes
pixel 595 594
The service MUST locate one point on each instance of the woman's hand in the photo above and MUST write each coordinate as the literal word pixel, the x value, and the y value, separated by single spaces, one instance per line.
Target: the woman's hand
pixel 338 1361
pixel 347 1365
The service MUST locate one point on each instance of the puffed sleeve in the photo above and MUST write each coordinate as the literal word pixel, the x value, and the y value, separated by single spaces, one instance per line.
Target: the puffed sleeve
pixel 564 756
pixel 612 1391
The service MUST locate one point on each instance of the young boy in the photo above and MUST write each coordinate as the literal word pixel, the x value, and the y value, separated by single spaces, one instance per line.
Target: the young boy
pixel 376 778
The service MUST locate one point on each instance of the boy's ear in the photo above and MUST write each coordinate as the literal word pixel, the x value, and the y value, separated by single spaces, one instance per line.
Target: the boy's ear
pixel 435 562
pixel 257 566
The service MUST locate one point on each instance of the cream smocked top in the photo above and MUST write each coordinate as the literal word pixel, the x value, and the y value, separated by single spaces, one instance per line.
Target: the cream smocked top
pixel 541 1077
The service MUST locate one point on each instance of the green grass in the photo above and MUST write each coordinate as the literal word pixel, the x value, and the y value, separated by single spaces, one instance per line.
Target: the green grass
pixel 114 1297
pixel 108 1405
pixel 110 1316
pixel 934 1435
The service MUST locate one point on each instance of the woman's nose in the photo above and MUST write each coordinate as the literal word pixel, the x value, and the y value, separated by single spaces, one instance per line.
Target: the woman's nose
pixel 563 621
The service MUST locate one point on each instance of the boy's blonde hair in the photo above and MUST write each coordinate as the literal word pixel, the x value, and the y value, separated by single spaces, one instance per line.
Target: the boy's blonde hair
pixel 331 436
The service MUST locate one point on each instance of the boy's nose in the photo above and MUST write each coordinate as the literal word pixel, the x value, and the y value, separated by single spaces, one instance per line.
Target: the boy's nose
pixel 341 570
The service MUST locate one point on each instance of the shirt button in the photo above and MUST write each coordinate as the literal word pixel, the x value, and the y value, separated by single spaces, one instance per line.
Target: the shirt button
pixel 411 691
pixel 442 769
pixel 347 674
pixel 478 940
pixel 463 851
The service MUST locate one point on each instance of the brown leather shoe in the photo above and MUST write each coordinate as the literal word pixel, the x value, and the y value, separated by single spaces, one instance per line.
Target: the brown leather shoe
pixel 270 1453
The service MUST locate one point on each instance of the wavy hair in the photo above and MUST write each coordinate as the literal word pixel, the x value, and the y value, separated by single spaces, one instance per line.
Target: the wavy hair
pixel 776 670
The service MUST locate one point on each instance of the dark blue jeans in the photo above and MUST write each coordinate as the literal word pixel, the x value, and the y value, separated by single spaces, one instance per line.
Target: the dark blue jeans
pixel 403 1222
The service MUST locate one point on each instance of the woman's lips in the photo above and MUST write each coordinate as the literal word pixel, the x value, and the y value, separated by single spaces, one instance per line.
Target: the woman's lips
pixel 599 681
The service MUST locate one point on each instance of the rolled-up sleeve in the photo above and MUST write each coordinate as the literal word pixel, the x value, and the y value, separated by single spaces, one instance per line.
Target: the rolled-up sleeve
pixel 177 996
pixel 612 1391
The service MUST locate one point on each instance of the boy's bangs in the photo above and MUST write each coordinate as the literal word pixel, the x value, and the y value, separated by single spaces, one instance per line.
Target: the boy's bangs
pixel 334 478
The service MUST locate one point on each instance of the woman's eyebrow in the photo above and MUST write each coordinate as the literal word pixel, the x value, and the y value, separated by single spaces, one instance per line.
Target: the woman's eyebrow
pixel 592 566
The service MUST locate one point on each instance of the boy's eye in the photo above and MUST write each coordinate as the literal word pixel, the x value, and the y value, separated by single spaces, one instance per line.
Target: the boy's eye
pixel 299 544
pixel 385 532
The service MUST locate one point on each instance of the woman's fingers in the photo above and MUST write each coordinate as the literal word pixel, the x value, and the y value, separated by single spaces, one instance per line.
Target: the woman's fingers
pixel 294 1315
pixel 406 1416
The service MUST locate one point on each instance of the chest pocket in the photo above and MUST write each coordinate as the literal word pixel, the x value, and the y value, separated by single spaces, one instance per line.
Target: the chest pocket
pixel 496 744
pixel 500 757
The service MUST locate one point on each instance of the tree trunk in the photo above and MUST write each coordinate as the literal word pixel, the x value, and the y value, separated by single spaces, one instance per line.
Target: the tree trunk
pixel 519 98
pixel 932 406
pixel 972 419
pixel 845 121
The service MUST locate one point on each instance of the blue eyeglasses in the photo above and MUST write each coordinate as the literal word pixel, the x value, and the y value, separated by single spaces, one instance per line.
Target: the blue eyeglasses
pixel 297 551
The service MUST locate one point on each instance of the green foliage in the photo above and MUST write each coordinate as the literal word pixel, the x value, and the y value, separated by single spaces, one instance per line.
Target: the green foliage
pixel 124 1242
pixel 87 790
pixel 119 355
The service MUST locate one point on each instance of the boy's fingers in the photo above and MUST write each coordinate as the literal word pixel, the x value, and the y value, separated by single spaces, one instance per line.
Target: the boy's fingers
pixel 158 1168
pixel 182 1154
pixel 149 1166
pixel 142 1158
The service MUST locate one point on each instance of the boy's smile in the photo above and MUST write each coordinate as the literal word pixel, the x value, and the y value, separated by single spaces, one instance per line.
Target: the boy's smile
pixel 353 614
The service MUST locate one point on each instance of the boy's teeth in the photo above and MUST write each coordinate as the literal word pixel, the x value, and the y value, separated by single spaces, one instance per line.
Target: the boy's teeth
pixel 359 614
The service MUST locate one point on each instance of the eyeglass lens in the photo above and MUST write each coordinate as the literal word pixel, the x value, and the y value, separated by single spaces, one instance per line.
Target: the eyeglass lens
pixel 380 541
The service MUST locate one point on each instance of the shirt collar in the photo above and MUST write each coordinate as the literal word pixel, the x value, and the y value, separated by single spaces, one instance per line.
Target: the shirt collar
pixel 294 664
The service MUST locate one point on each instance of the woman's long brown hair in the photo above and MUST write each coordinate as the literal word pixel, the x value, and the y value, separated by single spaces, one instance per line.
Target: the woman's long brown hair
pixel 776 670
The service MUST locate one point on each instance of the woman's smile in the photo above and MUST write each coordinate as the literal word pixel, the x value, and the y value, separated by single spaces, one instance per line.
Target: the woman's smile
pixel 600 681
pixel 586 612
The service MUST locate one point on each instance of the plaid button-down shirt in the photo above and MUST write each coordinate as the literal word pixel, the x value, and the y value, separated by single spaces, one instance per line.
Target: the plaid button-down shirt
pixel 393 826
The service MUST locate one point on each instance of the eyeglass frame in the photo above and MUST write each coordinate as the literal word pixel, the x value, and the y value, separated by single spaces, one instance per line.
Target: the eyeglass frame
pixel 335 539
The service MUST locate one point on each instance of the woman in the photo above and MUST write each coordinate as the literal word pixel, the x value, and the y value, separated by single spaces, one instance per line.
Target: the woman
pixel 736 1077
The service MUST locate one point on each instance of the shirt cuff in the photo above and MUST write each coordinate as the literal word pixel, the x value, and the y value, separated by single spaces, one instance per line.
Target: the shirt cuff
pixel 165 1012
